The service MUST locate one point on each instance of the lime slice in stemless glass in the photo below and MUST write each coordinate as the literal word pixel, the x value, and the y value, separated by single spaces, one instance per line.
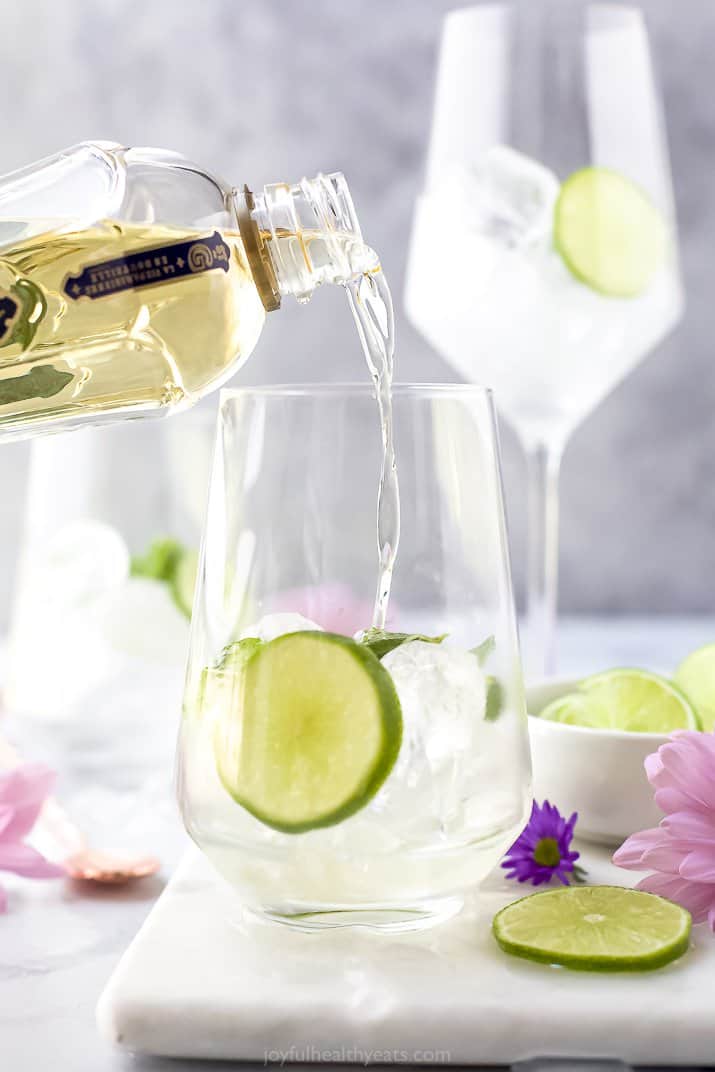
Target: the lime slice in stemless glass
pixel 634 700
pixel 310 733
pixel 609 232
pixel 594 928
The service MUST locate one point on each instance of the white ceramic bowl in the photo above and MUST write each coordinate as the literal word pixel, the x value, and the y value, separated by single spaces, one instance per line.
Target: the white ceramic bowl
pixel 598 773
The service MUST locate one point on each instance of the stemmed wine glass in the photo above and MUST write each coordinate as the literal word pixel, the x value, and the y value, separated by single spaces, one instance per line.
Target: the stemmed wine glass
pixel 544 259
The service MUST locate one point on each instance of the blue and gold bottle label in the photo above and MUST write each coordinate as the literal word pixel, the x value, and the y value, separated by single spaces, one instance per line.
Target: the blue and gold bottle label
pixel 148 267
pixel 9 312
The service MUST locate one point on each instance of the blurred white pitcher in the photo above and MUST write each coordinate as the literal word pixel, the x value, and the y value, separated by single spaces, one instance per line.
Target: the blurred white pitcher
pixel 98 637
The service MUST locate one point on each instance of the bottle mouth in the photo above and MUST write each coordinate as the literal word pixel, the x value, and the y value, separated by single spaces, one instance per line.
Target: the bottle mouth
pixel 309 234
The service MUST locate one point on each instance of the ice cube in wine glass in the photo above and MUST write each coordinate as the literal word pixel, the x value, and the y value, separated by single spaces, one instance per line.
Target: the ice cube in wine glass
pixel 506 196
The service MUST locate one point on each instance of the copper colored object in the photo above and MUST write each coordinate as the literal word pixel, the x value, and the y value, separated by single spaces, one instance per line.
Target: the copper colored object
pixel 69 848
pixel 89 865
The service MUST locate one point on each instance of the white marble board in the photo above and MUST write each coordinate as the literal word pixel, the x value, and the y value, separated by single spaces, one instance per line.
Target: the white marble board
pixel 201 981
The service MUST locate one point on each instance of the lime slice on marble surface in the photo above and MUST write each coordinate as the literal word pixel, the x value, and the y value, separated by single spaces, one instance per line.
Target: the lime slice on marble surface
pixel 609 232
pixel 625 699
pixel 594 928
pixel 313 728
pixel 696 677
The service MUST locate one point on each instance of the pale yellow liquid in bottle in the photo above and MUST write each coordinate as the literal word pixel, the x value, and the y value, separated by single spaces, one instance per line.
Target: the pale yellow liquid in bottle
pixel 120 317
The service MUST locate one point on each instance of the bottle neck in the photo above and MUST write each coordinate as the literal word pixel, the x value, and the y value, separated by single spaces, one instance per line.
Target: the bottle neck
pixel 297 237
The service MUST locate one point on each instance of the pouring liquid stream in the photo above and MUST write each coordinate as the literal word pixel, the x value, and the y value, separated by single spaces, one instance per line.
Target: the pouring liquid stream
pixel 371 305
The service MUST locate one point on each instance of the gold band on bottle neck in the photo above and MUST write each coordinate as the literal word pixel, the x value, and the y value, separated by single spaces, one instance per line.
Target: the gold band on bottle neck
pixel 258 259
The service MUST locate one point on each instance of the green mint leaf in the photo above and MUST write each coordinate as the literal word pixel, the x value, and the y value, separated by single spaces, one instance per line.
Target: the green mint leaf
pixel 380 642
pixel 160 561
pixel 484 650
pixel 495 700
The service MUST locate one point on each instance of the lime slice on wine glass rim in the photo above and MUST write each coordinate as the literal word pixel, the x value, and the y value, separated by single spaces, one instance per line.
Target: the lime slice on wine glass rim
pixel 309 728
pixel 594 928
pixel 609 233
pixel 696 677
pixel 630 700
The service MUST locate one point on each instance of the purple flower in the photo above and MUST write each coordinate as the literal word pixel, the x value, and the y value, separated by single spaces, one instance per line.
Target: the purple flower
pixel 542 850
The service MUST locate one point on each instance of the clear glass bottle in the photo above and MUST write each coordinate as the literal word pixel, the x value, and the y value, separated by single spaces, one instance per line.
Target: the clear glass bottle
pixel 132 282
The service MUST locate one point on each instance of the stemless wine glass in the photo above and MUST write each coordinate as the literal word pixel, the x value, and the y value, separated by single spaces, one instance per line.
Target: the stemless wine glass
pixel 543 259
pixel 335 775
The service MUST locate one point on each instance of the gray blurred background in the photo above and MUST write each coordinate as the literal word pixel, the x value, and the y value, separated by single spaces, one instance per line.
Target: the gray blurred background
pixel 266 90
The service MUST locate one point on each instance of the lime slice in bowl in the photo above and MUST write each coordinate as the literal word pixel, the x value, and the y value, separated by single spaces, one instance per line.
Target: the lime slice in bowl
pixel 637 701
pixel 572 710
pixel 696 677
pixel 313 729
pixel 609 232
pixel 594 928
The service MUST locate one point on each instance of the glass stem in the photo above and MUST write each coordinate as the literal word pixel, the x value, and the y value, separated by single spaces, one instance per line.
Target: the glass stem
pixel 544 463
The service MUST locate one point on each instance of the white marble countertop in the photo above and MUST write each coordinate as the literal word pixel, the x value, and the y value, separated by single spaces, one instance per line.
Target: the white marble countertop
pixel 58 948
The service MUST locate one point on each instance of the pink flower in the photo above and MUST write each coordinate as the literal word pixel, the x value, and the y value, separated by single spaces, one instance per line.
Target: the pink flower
pixel 332 605
pixel 22 793
pixel 681 850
